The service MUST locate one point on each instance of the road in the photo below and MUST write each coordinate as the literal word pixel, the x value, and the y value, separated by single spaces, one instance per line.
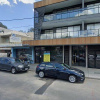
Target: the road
pixel 28 86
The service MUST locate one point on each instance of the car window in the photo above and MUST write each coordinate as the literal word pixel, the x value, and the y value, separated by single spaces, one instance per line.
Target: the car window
pixel 6 61
pixel 58 66
pixel 1 60
pixel 42 65
pixel 49 65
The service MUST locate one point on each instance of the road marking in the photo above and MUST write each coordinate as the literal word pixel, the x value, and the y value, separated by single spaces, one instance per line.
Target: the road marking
pixel 42 89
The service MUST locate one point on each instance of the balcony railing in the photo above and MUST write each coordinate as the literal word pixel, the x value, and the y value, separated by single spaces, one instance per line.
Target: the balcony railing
pixel 75 34
pixel 73 13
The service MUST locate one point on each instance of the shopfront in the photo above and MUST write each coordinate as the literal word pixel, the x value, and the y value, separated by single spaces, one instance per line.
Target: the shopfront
pixel 94 56
pixel 79 56
pixel 56 53
pixel 23 53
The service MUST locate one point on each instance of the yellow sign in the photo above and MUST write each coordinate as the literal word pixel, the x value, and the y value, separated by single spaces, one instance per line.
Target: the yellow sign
pixel 46 57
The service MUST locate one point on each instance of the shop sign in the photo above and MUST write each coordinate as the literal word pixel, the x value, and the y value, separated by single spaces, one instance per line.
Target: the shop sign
pixel 46 57
pixel 13 38
pixel 3 54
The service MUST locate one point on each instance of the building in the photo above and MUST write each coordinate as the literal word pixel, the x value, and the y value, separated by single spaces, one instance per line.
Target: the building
pixel 11 41
pixel 70 31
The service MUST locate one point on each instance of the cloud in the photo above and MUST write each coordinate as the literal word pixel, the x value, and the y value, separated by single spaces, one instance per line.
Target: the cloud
pixel 27 1
pixel 4 2
pixel 15 1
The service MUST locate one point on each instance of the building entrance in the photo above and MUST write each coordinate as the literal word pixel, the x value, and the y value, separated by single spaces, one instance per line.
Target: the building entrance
pixel 94 59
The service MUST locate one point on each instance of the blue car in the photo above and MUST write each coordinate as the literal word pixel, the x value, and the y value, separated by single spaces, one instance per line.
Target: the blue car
pixel 61 71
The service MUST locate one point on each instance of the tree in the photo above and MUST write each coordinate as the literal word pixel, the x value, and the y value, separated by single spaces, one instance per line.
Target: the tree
pixel 31 30
pixel 1 25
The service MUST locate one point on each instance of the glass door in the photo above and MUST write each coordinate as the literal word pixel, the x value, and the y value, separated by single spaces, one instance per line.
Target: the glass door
pixel 91 59
pixel 98 59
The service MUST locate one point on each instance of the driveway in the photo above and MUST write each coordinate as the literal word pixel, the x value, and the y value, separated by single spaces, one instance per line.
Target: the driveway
pixel 28 86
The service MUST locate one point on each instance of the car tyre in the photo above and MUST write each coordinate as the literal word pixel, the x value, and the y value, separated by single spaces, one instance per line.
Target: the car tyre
pixel 72 79
pixel 13 70
pixel 41 74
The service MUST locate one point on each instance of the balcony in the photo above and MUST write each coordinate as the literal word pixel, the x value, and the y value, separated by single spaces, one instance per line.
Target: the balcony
pixel 73 13
pixel 75 34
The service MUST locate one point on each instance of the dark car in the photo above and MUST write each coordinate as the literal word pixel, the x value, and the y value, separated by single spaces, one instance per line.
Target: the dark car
pixel 13 65
pixel 62 71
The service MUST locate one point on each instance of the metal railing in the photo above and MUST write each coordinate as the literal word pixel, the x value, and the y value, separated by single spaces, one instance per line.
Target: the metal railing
pixel 73 13
pixel 71 34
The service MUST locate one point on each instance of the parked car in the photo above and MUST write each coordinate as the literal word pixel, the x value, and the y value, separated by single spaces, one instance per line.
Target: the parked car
pixel 13 65
pixel 62 71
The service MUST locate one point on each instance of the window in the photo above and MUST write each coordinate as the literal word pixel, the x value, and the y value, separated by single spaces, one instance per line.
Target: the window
pixel 42 65
pixel 6 61
pixel 49 34
pixel 93 29
pixel 58 66
pixel 36 20
pixel 49 65
pixel 58 32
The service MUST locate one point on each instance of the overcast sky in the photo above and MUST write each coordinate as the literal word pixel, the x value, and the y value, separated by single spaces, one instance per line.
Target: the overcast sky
pixel 17 9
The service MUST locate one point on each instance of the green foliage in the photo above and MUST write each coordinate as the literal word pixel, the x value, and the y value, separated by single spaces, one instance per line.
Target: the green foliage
pixel 31 30
pixel 3 26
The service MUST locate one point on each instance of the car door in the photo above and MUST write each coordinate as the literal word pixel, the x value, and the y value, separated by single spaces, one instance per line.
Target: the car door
pixel 50 70
pixel 61 71
pixel 1 63
pixel 2 66
pixel 7 64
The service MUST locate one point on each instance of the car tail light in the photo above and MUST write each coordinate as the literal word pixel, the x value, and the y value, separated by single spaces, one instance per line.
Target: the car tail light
pixel 37 67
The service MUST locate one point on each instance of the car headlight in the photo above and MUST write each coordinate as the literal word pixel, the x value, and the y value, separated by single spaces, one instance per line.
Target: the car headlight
pixel 80 73
pixel 20 66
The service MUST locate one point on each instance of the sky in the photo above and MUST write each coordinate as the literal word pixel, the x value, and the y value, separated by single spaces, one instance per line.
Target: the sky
pixel 17 9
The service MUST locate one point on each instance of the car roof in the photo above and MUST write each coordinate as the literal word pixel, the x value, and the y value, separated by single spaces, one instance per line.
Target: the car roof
pixel 7 58
pixel 49 62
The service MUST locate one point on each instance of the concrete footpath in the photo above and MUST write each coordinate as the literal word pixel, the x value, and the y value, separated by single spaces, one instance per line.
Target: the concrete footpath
pixel 33 66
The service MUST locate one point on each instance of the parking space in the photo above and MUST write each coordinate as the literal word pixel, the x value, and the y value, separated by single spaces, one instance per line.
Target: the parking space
pixel 28 86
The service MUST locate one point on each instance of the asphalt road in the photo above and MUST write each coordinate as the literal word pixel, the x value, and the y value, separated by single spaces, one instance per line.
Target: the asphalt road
pixel 28 86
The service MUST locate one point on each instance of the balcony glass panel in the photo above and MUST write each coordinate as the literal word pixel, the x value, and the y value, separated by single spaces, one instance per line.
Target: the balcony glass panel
pixel 71 34
pixel 43 36
pixel 58 35
pixel 90 9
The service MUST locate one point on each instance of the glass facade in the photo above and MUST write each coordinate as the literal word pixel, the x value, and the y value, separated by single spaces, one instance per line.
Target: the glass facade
pixel 56 53
pixel 94 56
pixel 63 32
pixel 78 56
pixel 74 12
pixel 24 54
pixel 93 29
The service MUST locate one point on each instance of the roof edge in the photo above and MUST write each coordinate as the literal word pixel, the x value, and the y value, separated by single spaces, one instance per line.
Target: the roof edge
pixel 46 2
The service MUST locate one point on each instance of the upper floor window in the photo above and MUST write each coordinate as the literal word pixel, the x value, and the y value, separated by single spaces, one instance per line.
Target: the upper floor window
pixel 93 8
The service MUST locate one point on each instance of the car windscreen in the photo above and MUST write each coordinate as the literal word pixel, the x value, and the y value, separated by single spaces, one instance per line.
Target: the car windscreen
pixel 16 60
pixel 65 65
pixel 57 65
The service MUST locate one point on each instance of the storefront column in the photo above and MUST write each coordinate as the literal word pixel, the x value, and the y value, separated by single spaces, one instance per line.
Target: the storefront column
pixel 33 57
pixel 86 56
pixel 70 55
pixel 83 26
pixel 12 52
pixel 82 3
pixel 63 54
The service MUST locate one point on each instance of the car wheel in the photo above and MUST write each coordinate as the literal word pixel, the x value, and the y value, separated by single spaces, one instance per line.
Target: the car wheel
pixel 41 74
pixel 72 78
pixel 13 71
